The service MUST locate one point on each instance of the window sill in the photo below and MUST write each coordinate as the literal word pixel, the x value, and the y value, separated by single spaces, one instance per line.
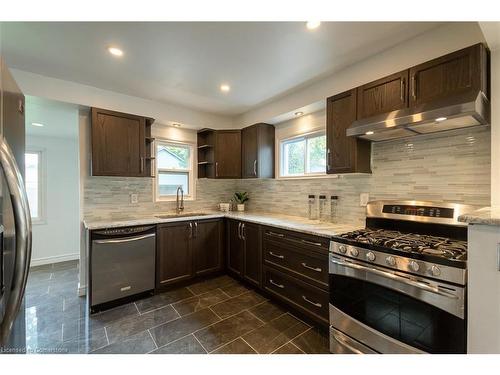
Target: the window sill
pixel 174 199
pixel 38 221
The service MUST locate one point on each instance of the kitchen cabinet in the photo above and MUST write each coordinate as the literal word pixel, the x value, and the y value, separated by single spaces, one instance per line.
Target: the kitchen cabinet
pixel 383 95
pixel 244 251
pixel 188 249
pixel 228 154
pixel 207 246
pixel 174 253
pixel 121 144
pixel 257 151
pixel 344 154
pixel 457 73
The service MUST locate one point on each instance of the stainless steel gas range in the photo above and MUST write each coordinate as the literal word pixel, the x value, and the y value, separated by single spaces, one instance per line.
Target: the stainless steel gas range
pixel 399 285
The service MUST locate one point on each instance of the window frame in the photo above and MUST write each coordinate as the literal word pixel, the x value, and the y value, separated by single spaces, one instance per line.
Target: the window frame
pixel 281 157
pixel 42 171
pixel 190 170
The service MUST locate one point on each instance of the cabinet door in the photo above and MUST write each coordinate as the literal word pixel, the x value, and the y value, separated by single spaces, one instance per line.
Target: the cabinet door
pixel 383 95
pixel 228 154
pixel 174 256
pixel 456 73
pixel 235 249
pixel 253 253
pixel 249 152
pixel 345 154
pixel 118 143
pixel 207 246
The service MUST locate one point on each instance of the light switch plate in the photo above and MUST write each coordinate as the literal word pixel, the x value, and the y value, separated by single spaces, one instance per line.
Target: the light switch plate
pixel 363 199
pixel 134 198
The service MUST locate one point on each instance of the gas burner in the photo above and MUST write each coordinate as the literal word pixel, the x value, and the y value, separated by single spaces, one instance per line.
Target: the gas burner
pixel 410 242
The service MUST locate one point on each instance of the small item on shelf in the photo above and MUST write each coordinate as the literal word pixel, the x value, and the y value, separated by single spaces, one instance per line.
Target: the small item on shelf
pixel 322 208
pixel 312 207
pixel 240 199
pixel 334 201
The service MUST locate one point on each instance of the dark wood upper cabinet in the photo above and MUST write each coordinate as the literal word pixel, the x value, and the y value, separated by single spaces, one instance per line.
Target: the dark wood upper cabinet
pixel 228 154
pixel 121 144
pixel 383 95
pixel 207 246
pixel 257 151
pixel 453 74
pixel 174 260
pixel 344 154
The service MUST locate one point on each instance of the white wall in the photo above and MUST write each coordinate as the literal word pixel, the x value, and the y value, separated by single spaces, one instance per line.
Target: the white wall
pixel 434 43
pixel 57 237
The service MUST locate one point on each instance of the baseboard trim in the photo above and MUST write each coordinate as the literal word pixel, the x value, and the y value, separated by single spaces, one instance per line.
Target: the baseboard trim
pixel 54 259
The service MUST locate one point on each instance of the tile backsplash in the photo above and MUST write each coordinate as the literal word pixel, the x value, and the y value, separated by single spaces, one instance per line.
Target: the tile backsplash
pixel 451 166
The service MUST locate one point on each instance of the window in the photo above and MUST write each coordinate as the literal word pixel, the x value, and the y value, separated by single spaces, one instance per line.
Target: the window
pixel 33 182
pixel 303 156
pixel 174 163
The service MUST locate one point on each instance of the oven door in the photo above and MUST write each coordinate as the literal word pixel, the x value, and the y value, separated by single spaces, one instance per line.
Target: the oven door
pixel 395 312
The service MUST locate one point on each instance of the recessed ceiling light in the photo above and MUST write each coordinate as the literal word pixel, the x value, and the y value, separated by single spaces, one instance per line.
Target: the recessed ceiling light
pixel 177 125
pixel 225 87
pixel 298 113
pixel 37 124
pixel 115 51
pixel 439 119
pixel 311 25
pixel 369 132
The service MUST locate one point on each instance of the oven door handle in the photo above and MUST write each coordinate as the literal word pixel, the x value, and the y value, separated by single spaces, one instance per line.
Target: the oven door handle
pixel 392 276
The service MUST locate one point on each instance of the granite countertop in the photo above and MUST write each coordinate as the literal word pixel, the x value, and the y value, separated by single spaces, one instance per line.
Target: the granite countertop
pixel 486 215
pixel 295 223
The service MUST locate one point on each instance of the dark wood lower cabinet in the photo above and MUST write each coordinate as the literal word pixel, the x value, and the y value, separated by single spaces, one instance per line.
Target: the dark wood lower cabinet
pixel 207 246
pixel 234 247
pixel 174 259
pixel 188 249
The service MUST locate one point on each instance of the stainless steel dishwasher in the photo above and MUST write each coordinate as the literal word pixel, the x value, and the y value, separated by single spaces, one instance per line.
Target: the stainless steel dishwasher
pixel 122 264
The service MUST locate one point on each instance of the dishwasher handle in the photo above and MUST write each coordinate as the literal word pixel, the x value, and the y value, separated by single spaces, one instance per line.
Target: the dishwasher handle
pixel 124 240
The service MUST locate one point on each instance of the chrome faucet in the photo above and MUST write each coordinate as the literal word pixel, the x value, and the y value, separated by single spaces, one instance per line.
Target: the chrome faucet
pixel 180 204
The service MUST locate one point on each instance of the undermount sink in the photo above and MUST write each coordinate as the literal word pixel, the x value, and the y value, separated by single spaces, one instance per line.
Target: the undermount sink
pixel 185 214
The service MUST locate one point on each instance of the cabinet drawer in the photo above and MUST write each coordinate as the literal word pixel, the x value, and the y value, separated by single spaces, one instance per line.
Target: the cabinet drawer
pixel 311 266
pixel 306 298
pixel 305 241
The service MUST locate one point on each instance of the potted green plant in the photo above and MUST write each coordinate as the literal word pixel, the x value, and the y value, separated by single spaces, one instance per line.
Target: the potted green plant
pixel 240 199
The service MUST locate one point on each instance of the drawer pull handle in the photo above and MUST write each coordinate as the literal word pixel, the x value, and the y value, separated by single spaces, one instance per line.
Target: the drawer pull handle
pixel 276 255
pixel 276 234
pixel 281 286
pixel 311 243
pixel 311 302
pixel 317 269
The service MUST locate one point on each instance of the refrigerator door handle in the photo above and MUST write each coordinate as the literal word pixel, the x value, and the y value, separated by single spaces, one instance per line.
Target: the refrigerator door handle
pixel 22 221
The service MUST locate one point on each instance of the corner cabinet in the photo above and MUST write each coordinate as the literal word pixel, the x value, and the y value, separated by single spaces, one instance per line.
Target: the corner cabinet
pixel 257 151
pixel 121 144
pixel 188 249
pixel 219 153
pixel 244 251
pixel 345 154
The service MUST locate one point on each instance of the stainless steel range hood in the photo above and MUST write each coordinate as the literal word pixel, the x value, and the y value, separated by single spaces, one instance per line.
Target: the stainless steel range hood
pixel 459 111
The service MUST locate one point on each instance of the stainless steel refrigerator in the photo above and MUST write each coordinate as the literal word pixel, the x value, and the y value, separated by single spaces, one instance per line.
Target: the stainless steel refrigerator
pixel 15 221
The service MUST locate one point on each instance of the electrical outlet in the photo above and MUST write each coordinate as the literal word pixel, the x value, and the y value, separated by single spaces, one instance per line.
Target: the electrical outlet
pixel 363 199
pixel 134 198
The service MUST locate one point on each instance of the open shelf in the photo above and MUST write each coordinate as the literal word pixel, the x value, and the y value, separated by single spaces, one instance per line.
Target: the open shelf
pixel 204 146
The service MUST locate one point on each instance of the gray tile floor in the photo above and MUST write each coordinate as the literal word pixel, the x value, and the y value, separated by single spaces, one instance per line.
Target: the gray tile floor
pixel 219 315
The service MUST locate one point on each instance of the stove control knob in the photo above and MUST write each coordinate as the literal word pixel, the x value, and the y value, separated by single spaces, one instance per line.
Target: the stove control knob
pixel 390 260
pixel 414 266
pixel 435 270
pixel 342 249
pixel 370 256
pixel 354 252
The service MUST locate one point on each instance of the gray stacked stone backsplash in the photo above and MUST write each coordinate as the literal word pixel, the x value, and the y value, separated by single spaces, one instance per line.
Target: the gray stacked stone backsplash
pixel 450 167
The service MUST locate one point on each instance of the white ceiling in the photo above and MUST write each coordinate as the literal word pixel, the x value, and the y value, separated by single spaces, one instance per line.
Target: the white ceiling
pixel 59 120
pixel 185 63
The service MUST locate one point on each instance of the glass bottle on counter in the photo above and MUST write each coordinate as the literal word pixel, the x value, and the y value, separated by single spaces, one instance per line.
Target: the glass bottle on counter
pixel 311 208
pixel 322 208
pixel 334 201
